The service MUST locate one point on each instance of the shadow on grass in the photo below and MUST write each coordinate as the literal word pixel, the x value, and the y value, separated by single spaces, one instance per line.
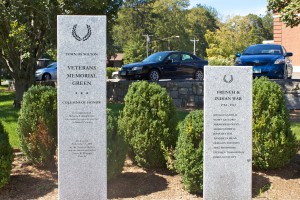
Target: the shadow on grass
pixel 130 185
pixel 26 187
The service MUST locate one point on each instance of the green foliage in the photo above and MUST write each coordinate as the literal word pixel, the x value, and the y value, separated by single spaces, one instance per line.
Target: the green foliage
pixel 110 70
pixel 296 130
pixel 28 29
pixel 134 51
pixel 6 157
pixel 163 21
pixel 288 11
pixel 116 147
pixel 9 116
pixel 220 61
pixel 199 20
pixel 235 35
pixel 37 125
pixel 274 144
pixel 148 123
pixel 189 152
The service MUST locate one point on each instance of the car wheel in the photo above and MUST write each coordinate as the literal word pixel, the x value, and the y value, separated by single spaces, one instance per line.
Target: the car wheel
pixel 154 75
pixel 115 76
pixel 199 75
pixel 46 77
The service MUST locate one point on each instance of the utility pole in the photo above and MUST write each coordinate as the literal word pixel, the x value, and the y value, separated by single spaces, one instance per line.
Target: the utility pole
pixel 147 42
pixel 194 40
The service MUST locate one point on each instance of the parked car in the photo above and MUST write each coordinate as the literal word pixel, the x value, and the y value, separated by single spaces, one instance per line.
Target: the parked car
pixel 168 64
pixel 47 73
pixel 270 60
pixel 115 75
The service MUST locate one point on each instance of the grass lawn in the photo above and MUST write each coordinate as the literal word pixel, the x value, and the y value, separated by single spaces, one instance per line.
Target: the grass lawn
pixel 9 115
pixel 296 129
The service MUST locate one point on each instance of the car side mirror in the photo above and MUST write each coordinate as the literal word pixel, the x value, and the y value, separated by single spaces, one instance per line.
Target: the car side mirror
pixel 238 55
pixel 288 54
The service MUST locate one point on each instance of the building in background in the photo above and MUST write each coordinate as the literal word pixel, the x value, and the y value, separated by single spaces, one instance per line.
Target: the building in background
pixel 289 38
pixel 116 61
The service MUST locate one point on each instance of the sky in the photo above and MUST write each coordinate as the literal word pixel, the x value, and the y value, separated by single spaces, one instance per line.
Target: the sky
pixel 234 7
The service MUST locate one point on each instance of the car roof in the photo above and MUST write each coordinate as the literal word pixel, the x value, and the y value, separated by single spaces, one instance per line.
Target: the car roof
pixel 266 45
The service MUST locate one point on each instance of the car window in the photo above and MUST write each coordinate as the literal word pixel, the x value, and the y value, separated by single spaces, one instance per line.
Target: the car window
pixel 263 49
pixel 53 65
pixel 175 57
pixel 156 57
pixel 187 57
pixel 284 50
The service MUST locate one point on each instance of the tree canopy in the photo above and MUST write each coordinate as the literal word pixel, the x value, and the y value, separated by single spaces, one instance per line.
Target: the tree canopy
pixel 28 29
pixel 235 35
pixel 164 24
pixel 288 10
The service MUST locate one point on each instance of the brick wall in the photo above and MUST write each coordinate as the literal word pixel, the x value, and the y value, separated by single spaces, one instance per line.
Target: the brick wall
pixel 289 38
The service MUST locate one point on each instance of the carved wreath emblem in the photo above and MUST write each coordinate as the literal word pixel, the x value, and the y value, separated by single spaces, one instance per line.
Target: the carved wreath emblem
pixel 226 80
pixel 87 36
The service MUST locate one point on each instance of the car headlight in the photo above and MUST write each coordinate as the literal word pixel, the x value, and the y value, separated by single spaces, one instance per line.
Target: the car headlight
pixel 279 61
pixel 238 61
pixel 137 68
pixel 38 73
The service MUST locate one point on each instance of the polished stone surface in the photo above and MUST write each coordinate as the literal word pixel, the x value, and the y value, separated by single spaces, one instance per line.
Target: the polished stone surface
pixel 82 171
pixel 227 133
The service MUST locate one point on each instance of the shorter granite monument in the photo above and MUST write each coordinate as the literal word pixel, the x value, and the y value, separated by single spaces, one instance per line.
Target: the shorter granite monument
pixel 82 169
pixel 227 133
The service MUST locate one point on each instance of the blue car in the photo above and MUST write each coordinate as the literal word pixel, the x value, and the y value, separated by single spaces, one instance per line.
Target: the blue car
pixel 47 73
pixel 270 60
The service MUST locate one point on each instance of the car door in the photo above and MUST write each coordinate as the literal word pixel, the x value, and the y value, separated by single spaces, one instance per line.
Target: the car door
pixel 188 64
pixel 171 65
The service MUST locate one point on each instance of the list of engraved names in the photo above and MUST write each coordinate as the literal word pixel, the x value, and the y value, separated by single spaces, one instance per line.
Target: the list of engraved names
pixel 226 138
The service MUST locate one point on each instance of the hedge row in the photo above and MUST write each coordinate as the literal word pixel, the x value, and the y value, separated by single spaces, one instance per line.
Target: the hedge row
pixel 148 124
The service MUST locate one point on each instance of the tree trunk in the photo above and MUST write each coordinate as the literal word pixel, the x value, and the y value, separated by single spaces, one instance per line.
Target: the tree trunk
pixel 21 86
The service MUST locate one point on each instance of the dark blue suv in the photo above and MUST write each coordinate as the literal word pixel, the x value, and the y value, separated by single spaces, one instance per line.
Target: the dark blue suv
pixel 270 60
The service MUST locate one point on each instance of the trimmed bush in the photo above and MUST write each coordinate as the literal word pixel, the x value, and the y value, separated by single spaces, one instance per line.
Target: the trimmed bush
pixel 6 157
pixel 37 125
pixel 148 123
pixel 110 70
pixel 189 152
pixel 220 61
pixel 116 147
pixel 274 144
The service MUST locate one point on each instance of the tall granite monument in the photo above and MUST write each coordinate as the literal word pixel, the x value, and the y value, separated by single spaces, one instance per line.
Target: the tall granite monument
pixel 227 133
pixel 82 170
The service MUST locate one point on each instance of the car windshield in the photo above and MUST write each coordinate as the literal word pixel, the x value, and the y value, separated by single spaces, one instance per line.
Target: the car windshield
pixel 263 49
pixel 53 65
pixel 156 57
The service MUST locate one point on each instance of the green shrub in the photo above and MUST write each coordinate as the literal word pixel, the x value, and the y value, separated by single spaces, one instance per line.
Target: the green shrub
pixel 116 147
pixel 6 157
pixel 189 152
pixel 110 70
pixel 274 144
pixel 37 125
pixel 220 61
pixel 148 123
